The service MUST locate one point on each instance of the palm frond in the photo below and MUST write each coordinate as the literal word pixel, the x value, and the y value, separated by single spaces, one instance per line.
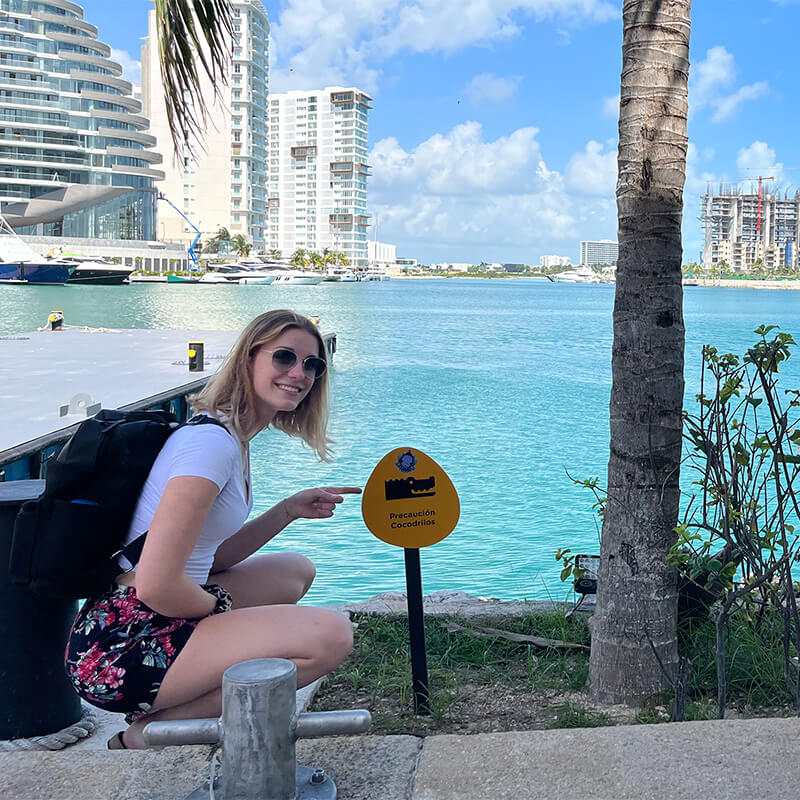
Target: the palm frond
pixel 193 36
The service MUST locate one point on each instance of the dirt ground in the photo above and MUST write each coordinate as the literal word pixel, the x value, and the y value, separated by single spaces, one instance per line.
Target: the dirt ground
pixel 476 708
pixel 482 708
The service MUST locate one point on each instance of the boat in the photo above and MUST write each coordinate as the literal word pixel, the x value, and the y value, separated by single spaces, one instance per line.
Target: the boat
pixel 581 274
pixel 20 263
pixel 181 279
pixel 375 273
pixel 297 278
pixel 213 277
pixel 249 273
pixel 342 274
pixel 95 271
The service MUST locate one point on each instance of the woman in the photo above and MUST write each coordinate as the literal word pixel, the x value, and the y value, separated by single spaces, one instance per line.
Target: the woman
pixel 156 643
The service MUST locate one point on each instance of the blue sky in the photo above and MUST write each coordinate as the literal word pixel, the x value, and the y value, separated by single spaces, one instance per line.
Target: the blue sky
pixel 493 133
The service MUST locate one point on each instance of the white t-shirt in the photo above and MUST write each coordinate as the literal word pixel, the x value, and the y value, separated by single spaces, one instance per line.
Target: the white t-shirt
pixel 207 451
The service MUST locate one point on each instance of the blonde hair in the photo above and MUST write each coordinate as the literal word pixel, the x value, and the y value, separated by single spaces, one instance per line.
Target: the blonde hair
pixel 230 391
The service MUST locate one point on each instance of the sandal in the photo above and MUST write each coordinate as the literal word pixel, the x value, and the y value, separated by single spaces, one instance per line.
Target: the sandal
pixel 116 742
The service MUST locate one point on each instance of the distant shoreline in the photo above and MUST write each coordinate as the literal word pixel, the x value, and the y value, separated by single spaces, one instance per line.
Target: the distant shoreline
pixel 688 283
pixel 733 283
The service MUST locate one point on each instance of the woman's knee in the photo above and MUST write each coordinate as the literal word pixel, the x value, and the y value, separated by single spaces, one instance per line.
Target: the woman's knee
pixel 305 571
pixel 336 642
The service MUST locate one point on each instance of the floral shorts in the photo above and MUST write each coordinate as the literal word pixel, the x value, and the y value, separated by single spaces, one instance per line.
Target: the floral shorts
pixel 120 649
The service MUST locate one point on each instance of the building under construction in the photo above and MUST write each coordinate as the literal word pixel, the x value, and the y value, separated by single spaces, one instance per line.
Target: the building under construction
pixel 742 228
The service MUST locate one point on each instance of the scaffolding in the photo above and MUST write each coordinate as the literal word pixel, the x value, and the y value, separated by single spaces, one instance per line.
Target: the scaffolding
pixel 739 227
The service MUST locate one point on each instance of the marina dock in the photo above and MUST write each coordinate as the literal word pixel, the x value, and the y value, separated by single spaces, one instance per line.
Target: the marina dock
pixel 52 380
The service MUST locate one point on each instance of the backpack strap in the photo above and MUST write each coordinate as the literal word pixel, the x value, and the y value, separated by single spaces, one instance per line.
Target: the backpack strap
pixel 132 551
pixel 204 419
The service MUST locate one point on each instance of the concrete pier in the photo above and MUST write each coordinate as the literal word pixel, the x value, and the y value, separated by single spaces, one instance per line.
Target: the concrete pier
pixel 726 760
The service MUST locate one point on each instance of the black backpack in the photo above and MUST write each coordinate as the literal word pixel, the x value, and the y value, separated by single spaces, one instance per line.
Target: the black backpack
pixel 66 542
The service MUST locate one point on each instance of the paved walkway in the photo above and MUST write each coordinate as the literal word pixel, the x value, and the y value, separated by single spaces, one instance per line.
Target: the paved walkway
pixel 723 760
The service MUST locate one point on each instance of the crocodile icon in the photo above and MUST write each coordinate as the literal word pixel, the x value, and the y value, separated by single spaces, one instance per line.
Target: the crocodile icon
pixel 409 488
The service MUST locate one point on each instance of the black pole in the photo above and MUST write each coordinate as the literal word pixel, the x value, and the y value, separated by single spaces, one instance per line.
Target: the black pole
pixel 416 632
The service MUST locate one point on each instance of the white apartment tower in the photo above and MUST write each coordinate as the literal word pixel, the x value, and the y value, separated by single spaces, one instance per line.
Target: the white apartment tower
pixel 603 251
pixel 224 186
pixel 318 172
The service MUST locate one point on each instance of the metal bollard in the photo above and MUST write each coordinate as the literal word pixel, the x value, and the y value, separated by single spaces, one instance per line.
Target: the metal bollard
pixel 258 730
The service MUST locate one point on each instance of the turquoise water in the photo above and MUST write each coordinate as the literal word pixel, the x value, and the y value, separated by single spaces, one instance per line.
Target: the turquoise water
pixel 505 383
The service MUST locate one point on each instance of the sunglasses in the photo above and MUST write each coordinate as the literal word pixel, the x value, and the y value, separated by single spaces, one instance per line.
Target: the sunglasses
pixel 284 359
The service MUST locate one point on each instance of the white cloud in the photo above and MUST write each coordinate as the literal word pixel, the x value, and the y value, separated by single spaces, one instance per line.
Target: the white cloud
pixel 710 81
pixel 456 190
pixel 461 163
pixel 458 197
pixel 448 25
pixel 717 69
pixel 758 159
pixel 131 67
pixel 487 88
pixel 319 42
pixel 728 106
pixel 593 172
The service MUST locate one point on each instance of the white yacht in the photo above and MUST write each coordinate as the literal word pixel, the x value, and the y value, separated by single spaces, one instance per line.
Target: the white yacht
pixel 297 277
pixel 241 273
pixel 581 274
pixel 342 274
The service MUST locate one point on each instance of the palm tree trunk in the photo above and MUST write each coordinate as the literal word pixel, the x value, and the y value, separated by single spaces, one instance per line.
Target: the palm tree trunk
pixel 634 643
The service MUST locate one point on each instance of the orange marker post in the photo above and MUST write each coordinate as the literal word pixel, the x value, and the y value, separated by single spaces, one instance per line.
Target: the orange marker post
pixel 410 502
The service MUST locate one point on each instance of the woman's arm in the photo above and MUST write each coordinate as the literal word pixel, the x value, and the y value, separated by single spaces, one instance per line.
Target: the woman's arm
pixel 160 579
pixel 310 504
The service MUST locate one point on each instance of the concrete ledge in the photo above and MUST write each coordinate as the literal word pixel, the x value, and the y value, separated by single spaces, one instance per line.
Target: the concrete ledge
pixel 458 603
pixel 679 761
pixel 170 774
pixel 363 768
pixel 724 760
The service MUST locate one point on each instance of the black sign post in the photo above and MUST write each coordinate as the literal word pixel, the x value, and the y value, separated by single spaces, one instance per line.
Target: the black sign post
pixel 416 632
pixel 410 502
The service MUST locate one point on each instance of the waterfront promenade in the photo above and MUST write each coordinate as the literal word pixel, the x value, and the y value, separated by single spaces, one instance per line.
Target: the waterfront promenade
pixel 724 760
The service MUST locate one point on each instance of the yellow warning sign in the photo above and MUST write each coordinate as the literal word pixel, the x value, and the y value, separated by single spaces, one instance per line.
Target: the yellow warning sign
pixel 409 501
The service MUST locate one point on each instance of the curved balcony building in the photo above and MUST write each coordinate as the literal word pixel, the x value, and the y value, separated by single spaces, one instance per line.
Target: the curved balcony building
pixel 68 120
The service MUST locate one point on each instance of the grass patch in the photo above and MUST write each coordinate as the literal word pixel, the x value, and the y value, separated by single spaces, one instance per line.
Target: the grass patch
pixel 754 663
pixel 482 684
pixel 469 676
pixel 571 715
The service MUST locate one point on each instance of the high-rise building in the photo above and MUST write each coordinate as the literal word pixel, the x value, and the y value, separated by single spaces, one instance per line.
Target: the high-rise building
pixel 318 172
pixel 75 157
pixel 553 261
pixel 740 229
pixel 604 251
pixel 224 184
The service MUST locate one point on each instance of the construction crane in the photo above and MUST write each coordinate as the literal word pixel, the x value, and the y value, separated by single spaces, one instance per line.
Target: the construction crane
pixel 760 179
pixel 196 229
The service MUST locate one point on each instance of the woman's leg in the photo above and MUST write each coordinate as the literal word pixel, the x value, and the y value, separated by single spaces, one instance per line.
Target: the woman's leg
pixel 267 579
pixel 317 640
